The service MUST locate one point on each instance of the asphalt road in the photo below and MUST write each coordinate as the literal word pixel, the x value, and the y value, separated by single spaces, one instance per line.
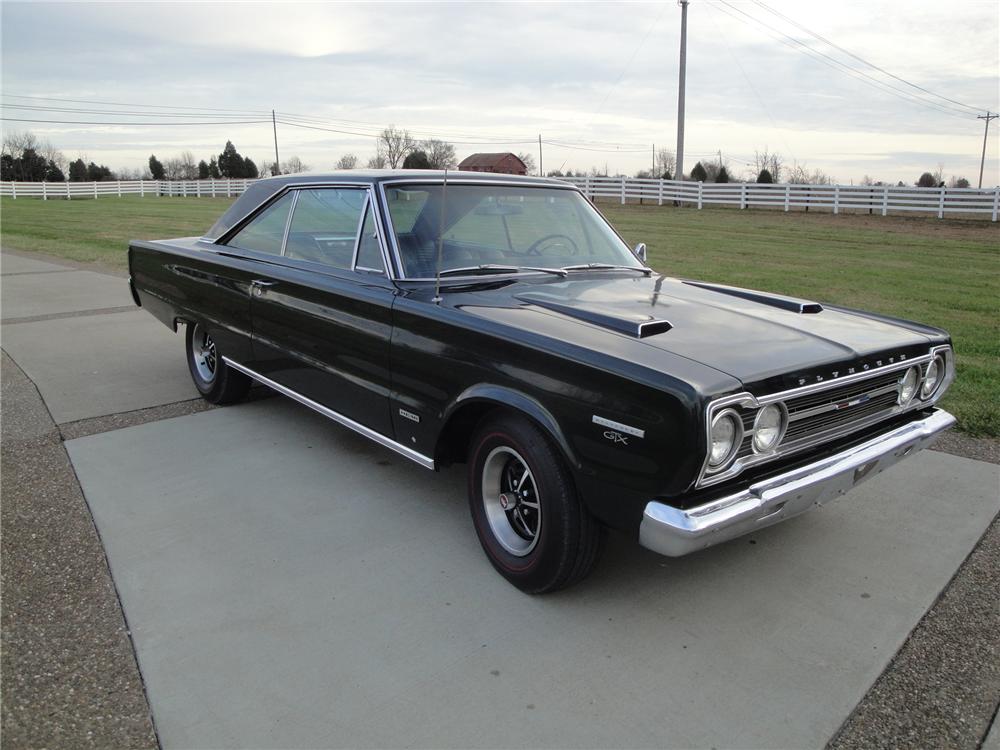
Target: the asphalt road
pixel 286 583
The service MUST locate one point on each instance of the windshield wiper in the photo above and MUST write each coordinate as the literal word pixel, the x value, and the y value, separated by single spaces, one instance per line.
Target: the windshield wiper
pixel 487 268
pixel 607 267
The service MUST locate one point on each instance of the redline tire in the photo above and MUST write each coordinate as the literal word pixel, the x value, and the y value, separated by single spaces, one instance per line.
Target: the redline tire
pixel 567 540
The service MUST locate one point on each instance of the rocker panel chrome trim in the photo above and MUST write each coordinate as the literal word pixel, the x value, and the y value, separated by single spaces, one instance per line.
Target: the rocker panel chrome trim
pixel 425 461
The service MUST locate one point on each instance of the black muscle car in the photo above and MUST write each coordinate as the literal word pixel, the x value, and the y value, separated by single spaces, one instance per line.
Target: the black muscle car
pixel 502 322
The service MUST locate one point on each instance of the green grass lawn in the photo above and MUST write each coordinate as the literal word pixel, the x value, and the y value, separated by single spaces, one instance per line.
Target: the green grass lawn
pixel 945 273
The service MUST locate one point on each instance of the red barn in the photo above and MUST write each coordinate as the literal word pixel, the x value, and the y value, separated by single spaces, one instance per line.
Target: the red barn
pixel 506 163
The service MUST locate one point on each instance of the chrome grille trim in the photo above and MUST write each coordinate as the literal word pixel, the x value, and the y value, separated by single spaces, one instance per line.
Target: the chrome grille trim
pixel 812 421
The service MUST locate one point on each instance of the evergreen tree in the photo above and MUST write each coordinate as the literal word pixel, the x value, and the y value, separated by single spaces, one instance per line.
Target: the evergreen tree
pixel 202 170
pixel 416 160
pixel 213 169
pixel 698 174
pixel 230 162
pixel 77 171
pixel 53 173
pixel 250 169
pixel 765 177
pixel 927 180
pixel 155 169
pixel 722 176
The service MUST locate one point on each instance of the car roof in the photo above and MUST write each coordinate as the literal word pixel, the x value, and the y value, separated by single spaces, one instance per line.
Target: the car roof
pixel 262 190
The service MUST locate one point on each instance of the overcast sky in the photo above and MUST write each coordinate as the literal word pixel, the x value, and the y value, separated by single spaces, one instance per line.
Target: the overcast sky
pixel 597 75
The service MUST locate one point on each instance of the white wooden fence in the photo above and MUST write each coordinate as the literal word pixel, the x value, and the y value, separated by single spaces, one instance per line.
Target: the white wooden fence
pixel 70 190
pixel 836 198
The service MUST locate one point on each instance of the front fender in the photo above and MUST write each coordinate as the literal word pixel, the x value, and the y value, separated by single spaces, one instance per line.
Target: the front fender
pixel 514 399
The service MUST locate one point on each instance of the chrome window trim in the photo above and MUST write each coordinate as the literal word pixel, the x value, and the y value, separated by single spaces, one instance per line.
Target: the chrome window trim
pixel 220 244
pixel 394 244
pixel 357 231
pixel 288 223
pixel 708 477
pixel 426 461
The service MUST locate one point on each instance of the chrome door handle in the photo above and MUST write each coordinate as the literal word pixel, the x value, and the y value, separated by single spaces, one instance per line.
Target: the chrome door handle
pixel 259 285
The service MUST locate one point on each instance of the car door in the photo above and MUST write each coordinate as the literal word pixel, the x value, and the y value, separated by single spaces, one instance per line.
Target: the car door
pixel 322 314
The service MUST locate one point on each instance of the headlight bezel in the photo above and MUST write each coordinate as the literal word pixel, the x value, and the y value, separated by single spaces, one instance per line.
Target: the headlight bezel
pixel 940 365
pixel 782 427
pixel 904 401
pixel 738 435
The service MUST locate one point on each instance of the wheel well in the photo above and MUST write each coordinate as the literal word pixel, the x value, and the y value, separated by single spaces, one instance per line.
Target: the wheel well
pixel 453 442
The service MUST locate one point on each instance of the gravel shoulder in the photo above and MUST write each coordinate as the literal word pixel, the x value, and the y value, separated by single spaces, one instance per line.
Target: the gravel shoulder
pixel 69 675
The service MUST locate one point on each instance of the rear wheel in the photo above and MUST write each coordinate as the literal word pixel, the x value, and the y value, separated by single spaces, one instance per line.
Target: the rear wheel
pixel 526 510
pixel 215 380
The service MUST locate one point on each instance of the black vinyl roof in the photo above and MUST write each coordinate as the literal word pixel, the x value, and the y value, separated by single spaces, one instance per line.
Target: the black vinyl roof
pixel 260 191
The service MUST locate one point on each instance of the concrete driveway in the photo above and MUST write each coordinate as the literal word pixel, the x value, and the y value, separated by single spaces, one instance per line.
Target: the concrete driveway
pixel 289 584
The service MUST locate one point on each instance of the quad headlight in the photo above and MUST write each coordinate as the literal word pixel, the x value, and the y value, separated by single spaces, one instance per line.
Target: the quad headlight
pixel 933 377
pixel 726 436
pixel 908 386
pixel 769 427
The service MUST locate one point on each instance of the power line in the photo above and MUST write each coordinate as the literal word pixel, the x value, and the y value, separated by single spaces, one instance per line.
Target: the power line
pixel 122 113
pixel 840 66
pixel 113 122
pixel 121 104
pixel 861 59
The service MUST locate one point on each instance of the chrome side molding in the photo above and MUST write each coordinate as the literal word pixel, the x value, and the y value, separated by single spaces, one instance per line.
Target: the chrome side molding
pixel 378 437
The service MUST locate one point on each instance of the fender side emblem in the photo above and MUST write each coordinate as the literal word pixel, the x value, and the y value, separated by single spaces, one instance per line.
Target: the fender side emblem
pixel 627 429
pixel 409 415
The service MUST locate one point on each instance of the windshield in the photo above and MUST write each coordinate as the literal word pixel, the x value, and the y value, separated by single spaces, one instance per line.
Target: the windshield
pixel 500 225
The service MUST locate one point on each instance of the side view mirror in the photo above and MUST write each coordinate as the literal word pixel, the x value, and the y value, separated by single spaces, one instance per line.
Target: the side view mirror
pixel 640 251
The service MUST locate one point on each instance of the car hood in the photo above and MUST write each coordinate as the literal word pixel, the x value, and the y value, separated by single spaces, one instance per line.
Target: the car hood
pixel 752 336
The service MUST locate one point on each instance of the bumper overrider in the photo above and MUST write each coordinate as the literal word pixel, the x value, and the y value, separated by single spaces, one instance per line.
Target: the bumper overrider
pixel 674 532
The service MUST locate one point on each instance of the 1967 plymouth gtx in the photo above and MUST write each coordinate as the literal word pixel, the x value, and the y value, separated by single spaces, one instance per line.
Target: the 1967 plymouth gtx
pixel 502 322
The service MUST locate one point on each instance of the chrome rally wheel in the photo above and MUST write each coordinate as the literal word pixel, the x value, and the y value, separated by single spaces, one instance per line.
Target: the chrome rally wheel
pixel 203 354
pixel 510 500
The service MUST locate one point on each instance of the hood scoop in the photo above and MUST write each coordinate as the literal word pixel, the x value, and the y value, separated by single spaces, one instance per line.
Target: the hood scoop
pixel 635 325
pixel 791 304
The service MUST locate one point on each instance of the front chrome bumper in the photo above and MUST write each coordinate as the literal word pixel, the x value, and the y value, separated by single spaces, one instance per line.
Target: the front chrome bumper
pixel 675 532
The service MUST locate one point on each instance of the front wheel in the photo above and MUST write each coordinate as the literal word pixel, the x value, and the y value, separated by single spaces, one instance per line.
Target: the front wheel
pixel 215 380
pixel 528 516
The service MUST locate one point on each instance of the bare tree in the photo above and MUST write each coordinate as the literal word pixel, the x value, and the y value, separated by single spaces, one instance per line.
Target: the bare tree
pixel 799 174
pixel 771 161
pixel 293 165
pixel 188 166
pixel 529 161
pixel 440 154
pixel 666 162
pixel 378 161
pixel 173 169
pixel 395 144
pixel 347 161
pixel 269 168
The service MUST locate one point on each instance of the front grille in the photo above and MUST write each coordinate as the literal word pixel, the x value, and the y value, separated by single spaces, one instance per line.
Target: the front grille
pixel 812 417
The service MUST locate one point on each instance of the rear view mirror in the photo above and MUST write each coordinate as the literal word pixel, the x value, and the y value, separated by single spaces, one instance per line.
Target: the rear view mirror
pixel 640 251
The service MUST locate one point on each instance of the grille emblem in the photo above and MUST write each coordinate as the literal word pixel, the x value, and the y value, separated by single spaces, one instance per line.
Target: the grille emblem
pixel 862 399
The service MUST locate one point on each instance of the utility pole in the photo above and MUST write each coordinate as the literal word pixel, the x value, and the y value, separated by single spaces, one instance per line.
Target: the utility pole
pixel 539 154
pixel 274 125
pixel 680 91
pixel 982 161
pixel 653 172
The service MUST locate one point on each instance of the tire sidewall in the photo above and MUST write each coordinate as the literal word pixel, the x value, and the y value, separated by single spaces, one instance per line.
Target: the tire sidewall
pixel 530 571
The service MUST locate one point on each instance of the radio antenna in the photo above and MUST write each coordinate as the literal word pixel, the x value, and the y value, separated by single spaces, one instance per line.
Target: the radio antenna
pixel 437 275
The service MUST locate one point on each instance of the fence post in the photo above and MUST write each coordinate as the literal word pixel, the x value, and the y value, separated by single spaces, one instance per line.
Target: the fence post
pixel 95 190
pixel 45 196
pixel 659 193
pixel 996 202
pixel 623 190
pixel 229 188
pixel 836 199
pixel 885 199
pixel 941 204
pixel 743 195
pixel 788 189
pixel 197 187
pixel 699 194
pixel 69 195
pixel 142 189
pixel 119 188
pixel 13 190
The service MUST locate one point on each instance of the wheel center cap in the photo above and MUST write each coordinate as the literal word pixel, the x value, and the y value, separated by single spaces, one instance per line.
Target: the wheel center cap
pixel 507 501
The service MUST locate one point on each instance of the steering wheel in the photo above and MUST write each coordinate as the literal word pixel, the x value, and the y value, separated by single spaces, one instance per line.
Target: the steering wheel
pixel 564 241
